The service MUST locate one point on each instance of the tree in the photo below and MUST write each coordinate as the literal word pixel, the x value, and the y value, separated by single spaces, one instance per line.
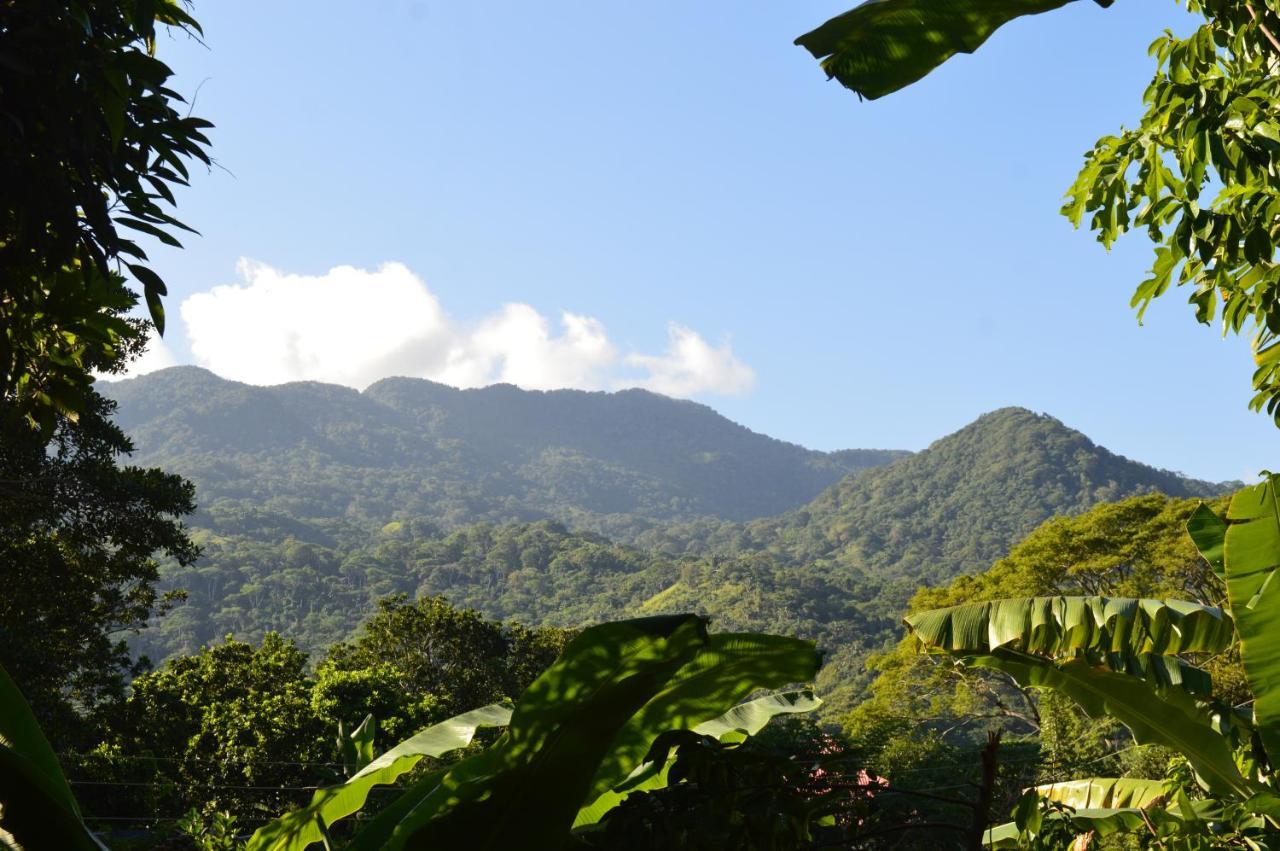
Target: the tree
pixel 92 143
pixel 431 649
pixel 78 536
pixel 1212 122
pixel 222 727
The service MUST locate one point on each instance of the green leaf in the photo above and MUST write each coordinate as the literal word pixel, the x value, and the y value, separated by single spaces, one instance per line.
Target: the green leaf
pixel 1209 532
pixel 37 809
pixel 1251 557
pixel 884 45
pixel 301 828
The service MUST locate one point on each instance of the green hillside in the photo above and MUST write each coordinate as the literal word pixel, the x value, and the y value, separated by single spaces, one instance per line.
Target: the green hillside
pixel 952 508
pixel 324 455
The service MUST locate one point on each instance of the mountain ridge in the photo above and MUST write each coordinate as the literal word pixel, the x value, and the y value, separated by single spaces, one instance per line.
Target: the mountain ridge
pixel 493 453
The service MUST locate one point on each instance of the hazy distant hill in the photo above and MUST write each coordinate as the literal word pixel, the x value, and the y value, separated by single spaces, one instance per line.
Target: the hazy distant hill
pixel 413 448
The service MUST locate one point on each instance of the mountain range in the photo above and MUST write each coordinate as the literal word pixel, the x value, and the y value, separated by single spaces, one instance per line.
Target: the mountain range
pixel 568 507
pixel 411 447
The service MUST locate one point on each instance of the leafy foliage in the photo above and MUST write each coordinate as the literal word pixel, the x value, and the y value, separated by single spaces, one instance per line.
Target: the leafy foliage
pixel 92 145
pixel 248 728
pixel 924 716
pixel 77 539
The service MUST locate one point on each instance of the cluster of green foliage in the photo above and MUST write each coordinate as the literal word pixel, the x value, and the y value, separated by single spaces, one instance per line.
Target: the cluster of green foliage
pixel 79 537
pixel 92 144
pixel 924 719
pixel 247 728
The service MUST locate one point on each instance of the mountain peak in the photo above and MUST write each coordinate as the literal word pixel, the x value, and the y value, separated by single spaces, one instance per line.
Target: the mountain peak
pixel 957 505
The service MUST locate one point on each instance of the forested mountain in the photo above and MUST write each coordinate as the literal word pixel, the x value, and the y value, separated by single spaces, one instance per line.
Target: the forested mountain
pixel 320 500
pixel 323 454
pixel 952 508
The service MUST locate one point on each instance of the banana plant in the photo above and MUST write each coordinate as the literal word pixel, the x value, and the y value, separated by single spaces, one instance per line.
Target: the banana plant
pixel 881 46
pixel 573 746
pixel 1122 659
pixel 37 809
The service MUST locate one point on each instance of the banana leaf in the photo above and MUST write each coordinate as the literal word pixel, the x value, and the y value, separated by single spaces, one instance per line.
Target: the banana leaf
pixel 1251 556
pixel 37 809
pixel 584 725
pixel 1061 626
pixel 298 829
pixel 881 46
pixel 743 720
pixel 1106 793
pixel 1209 532
pixel 1166 717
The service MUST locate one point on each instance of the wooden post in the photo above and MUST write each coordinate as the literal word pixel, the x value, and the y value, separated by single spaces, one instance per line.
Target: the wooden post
pixel 982 806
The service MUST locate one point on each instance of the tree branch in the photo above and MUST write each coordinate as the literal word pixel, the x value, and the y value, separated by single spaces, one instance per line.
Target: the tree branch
pixel 1258 20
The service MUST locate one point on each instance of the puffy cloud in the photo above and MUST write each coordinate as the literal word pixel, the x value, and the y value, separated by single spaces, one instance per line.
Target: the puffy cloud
pixel 354 326
pixel 691 366
pixel 349 326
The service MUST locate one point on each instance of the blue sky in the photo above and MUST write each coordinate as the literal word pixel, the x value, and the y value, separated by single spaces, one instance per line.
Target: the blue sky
pixel 718 220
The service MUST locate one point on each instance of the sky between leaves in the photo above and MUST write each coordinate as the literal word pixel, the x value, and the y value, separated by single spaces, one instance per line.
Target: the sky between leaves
pixel 669 195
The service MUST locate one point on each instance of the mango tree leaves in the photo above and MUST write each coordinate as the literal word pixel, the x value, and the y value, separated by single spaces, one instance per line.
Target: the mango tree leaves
pixel 298 829
pixel 93 141
pixel 1252 557
pixel 37 808
pixel 577 728
pixel 884 45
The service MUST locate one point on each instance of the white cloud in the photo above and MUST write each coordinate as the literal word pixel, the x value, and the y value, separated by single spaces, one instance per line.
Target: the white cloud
pixel 691 366
pixel 353 326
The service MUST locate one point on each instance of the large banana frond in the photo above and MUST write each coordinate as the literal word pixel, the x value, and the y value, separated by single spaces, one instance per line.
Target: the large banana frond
pixel 744 719
pixel 582 727
pixel 884 45
pixel 37 809
pixel 1055 627
pixel 1166 717
pixel 1252 556
pixel 1106 793
pixel 298 829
